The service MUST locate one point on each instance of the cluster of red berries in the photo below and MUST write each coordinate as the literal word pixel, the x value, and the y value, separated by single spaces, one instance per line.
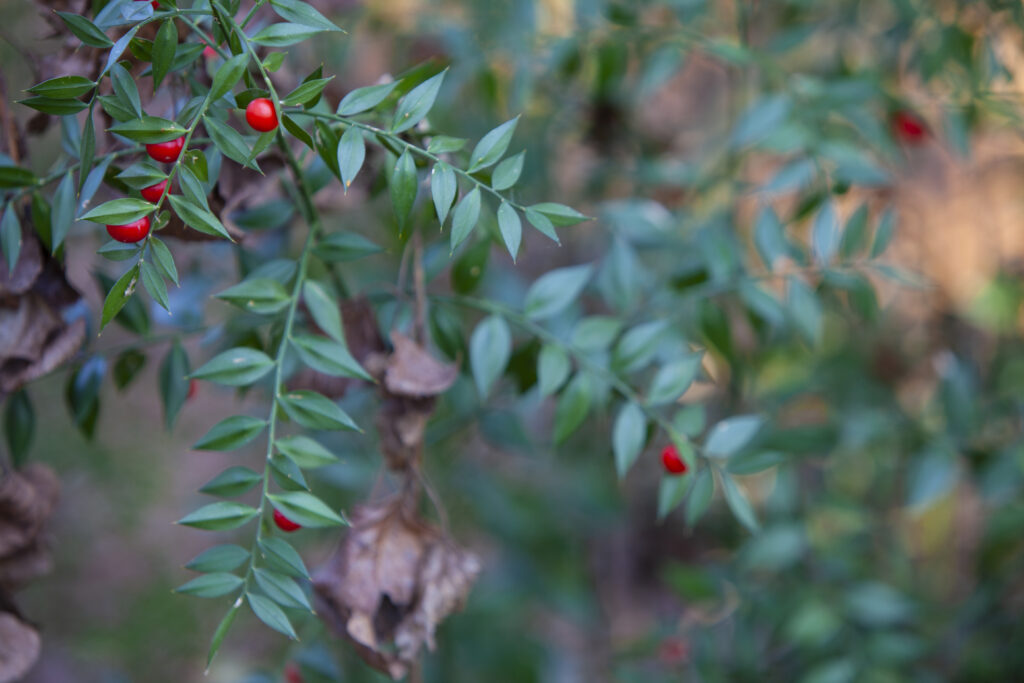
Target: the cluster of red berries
pixel 260 114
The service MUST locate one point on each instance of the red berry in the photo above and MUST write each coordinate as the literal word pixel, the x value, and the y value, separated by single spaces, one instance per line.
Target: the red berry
pixel 292 673
pixel 154 192
pixel 673 651
pixel 166 151
pixel 261 115
pixel 193 388
pixel 130 232
pixel 909 127
pixel 283 523
pixel 671 460
pixel 209 52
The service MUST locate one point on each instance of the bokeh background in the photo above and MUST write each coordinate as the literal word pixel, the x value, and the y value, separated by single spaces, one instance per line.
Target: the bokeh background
pixel 892 540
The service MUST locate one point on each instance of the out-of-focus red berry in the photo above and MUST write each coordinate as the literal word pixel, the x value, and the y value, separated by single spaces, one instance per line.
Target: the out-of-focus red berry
pixel 209 52
pixel 673 651
pixel 292 673
pixel 193 389
pixel 909 127
pixel 283 523
pixel 671 461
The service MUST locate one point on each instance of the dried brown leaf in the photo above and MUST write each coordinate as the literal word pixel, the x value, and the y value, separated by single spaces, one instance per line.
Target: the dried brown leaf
pixel 414 373
pixel 19 648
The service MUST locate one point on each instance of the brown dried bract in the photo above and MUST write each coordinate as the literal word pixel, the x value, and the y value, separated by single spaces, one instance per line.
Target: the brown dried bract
pixel 19 648
pixel 390 583
pixel 27 500
pixel 413 373
pixel 34 338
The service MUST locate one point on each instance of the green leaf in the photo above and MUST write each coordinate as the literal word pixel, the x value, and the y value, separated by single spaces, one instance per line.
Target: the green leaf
pixel 220 558
pixel 340 247
pixel 15 176
pixel 232 482
pixel 554 291
pixel 492 146
pixel 237 367
pixel 511 228
pixel 700 495
pixel 673 380
pixel 403 188
pixel 229 142
pixel 671 491
pixel 628 436
pixel 755 462
pixel 282 589
pixel 164 46
pixel 268 612
pixel 228 75
pixel 738 503
pixel 490 348
pixel 305 452
pixel 154 284
pixel 174 382
pixel 302 13
pixel 328 357
pixel 119 211
pixel 163 258
pixel 140 175
pixel 230 433
pixel 596 332
pixel 127 366
pixel 287 474
pixel 260 295
pixel 282 35
pixel 507 172
pixel 760 119
pixel 364 99
pixel 212 585
pixel 414 107
pixel 54 107
pixel 465 217
pixel 315 411
pixel 149 129
pixel 351 154
pixel 10 237
pixel 282 556
pixel 306 509
pixel 197 217
pixel 730 435
pixel 884 233
pixel 85 30
pixel 62 217
pixel 219 516
pixel 553 368
pixel 63 87
pixel 19 426
pixel 306 92
pixel 573 406
pixel 855 234
pixel 542 223
pixel 444 144
pixel 325 310
pixel 443 188
pixel 638 346
pixel 222 630
pixel 559 215
pixel 690 420
pixel 118 295
pixel 805 309
pixel 825 234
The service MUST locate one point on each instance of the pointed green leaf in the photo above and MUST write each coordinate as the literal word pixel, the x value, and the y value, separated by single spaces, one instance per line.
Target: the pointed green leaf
pixel 212 585
pixel 232 482
pixel 465 217
pixel 554 291
pixel 351 154
pixel 628 436
pixel 492 146
pixel 240 366
pixel 230 433
pixel 490 348
pixel 414 106
pixel 220 558
pixel 507 172
pixel 553 368
pixel 324 308
pixel 315 411
pixel 219 516
pixel 443 188
pixel 363 99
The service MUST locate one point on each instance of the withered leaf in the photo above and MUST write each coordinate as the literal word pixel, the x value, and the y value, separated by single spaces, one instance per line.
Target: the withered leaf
pixel 390 583
pixel 19 648
pixel 412 372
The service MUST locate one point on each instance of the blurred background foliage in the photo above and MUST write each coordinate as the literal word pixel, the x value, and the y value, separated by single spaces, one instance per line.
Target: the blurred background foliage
pixel 710 140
